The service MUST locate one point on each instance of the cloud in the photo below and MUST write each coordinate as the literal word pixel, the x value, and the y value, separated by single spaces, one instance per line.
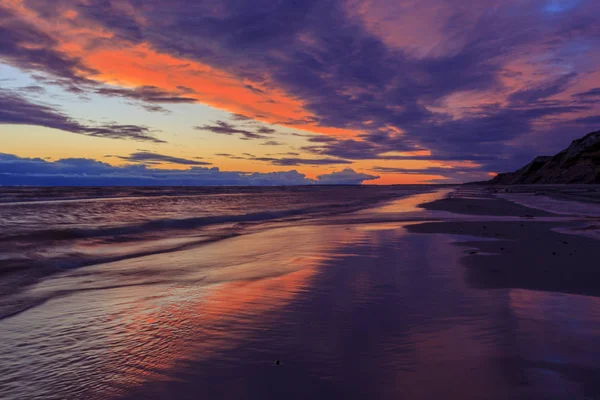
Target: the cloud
pixel 153 108
pixel 531 95
pixel 265 130
pixel 302 161
pixel 446 175
pixel 287 161
pixel 272 143
pixel 345 177
pixel 150 94
pixel 23 45
pixel 240 117
pixel 149 158
pixel 473 82
pixel 15 170
pixel 32 89
pixel 595 92
pixel 588 121
pixel 224 128
pixel 16 110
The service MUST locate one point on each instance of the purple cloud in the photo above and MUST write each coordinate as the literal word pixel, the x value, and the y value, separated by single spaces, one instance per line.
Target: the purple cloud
pixel 148 157
pixel 477 85
pixel 224 128
pixel 16 110
pixel 85 172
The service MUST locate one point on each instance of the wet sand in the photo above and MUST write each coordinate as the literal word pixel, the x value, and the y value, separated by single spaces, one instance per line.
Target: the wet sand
pixel 455 306
pixel 523 253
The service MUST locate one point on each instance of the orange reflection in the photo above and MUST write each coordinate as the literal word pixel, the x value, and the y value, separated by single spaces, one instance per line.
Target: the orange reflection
pixel 164 327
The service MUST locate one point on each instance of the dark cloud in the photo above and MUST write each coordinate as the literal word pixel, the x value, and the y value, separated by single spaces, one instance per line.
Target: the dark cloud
pixel 25 46
pixel 28 48
pixel 16 110
pixel 119 131
pixel 416 171
pixel 224 128
pixel 590 93
pixel 240 117
pixel 287 161
pixel 293 161
pixel 532 95
pixel 32 89
pixel 370 146
pixel 588 121
pixel 154 108
pixel 149 157
pixel 265 130
pixel 447 175
pixel 345 148
pixel 288 153
pixel 233 157
pixel 351 77
pixel 149 94
pixel 254 89
pixel 85 172
pixel 272 143
pixel 348 76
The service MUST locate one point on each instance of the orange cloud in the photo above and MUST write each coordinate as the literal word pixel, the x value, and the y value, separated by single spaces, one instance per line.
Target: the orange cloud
pixel 130 65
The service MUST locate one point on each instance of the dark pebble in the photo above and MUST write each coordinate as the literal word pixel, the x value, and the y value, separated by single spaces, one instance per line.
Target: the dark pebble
pixel 277 362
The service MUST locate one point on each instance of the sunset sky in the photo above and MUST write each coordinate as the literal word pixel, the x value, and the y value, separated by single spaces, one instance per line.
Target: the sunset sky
pixel 291 92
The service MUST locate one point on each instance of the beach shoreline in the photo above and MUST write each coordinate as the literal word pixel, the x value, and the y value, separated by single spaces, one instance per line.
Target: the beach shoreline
pixel 524 253
pixel 381 303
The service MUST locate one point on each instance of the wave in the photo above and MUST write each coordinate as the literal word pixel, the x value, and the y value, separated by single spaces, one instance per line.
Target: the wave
pixel 182 224
pixel 29 257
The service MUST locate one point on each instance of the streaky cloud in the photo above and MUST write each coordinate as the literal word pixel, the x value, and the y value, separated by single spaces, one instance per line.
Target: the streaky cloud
pixel 16 110
pixel 224 128
pixel 150 157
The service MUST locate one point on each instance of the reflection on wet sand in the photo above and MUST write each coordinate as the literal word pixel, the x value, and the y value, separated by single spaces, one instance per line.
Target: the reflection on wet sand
pixel 558 337
pixel 129 322
pixel 351 311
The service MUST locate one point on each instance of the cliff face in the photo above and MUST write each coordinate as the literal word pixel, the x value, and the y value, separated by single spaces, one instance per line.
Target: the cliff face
pixel 579 163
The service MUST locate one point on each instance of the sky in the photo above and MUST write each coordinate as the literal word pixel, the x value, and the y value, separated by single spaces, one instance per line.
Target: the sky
pixel 291 92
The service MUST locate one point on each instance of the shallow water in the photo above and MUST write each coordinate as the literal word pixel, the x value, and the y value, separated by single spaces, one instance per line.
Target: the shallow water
pixel 68 227
pixel 44 231
pixel 351 310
